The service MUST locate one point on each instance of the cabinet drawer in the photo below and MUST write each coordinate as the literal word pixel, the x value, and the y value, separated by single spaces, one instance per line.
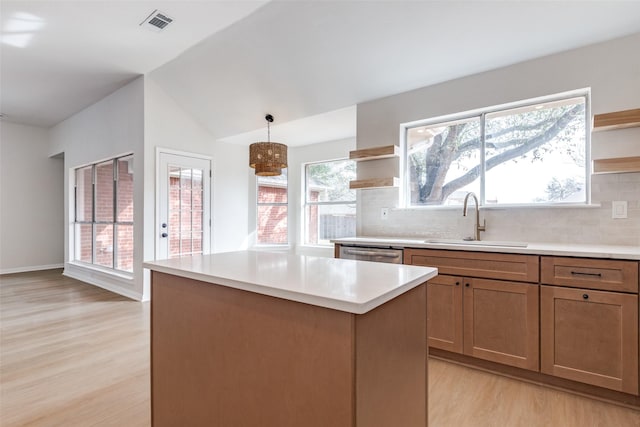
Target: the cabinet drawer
pixel 603 274
pixel 522 268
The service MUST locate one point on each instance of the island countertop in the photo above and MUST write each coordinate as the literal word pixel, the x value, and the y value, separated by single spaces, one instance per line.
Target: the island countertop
pixel 346 285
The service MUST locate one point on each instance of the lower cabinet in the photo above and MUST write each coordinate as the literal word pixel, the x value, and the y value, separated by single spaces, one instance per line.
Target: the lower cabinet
pixel 444 313
pixel 590 336
pixel 494 320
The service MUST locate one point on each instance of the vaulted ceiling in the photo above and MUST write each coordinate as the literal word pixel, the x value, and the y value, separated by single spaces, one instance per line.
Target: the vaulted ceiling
pixel 227 63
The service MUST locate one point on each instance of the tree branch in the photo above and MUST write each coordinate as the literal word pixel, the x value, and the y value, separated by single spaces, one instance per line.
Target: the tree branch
pixel 525 147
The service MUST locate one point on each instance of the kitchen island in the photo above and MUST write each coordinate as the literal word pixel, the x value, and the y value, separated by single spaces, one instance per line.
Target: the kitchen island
pixel 271 339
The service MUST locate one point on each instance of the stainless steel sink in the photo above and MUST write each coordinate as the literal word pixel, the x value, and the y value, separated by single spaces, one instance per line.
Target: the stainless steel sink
pixel 477 242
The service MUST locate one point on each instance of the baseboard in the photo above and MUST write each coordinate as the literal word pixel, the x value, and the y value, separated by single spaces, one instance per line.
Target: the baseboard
pixel 30 268
pixel 113 283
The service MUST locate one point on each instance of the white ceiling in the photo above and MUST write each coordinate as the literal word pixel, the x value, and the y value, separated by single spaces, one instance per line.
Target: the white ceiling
pixel 294 59
pixel 58 57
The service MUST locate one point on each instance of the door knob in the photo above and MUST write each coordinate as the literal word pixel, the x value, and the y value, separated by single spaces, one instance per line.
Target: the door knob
pixel 164 235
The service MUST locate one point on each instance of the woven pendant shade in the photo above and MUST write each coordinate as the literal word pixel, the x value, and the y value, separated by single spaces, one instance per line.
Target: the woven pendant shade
pixel 268 158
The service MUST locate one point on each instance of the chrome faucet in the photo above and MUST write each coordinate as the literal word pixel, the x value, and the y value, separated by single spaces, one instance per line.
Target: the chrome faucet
pixel 479 227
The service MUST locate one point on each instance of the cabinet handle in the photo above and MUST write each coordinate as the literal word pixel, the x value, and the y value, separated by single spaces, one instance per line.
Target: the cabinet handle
pixel 466 284
pixel 580 273
pixel 585 296
pixel 457 283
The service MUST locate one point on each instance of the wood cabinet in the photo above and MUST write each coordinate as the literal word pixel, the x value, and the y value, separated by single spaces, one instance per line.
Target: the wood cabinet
pixel 495 320
pixel 501 322
pixel 444 313
pixel 588 335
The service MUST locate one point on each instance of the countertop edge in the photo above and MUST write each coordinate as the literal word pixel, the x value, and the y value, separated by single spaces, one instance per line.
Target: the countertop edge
pixel 320 301
pixel 554 249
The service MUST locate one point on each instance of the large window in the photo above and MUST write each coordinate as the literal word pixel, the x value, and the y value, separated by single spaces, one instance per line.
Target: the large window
pixel 272 209
pixel 103 229
pixel 329 206
pixel 531 153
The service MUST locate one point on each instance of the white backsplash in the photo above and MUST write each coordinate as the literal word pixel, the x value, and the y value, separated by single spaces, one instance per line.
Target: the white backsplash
pixel 582 225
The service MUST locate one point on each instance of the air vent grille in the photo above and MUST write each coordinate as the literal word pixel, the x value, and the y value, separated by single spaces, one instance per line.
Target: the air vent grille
pixel 156 21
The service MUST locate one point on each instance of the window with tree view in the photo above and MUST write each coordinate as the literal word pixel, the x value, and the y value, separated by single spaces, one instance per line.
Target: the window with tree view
pixel 330 206
pixel 528 154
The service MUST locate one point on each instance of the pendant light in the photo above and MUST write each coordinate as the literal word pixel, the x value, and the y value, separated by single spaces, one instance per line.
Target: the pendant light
pixel 268 158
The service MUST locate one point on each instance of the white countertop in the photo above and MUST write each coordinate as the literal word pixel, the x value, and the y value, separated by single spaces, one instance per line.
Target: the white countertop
pixel 346 285
pixel 559 249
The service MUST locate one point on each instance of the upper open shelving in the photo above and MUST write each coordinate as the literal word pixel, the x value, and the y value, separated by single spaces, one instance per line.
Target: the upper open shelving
pixel 375 153
pixel 616 120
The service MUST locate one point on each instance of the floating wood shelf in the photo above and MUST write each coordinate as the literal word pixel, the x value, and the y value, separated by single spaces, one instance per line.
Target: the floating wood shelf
pixel 616 165
pixel 388 182
pixel 616 120
pixel 374 153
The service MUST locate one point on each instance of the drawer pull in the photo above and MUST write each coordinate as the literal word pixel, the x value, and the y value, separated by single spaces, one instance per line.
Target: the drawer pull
pixel 580 273
pixel 585 296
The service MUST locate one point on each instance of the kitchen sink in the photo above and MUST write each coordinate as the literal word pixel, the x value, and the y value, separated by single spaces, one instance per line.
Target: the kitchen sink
pixel 477 242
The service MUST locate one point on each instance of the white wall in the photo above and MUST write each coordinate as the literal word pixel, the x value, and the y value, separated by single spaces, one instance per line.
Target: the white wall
pixel 168 126
pixel 111 127
pixel 31 200
pixel 610 69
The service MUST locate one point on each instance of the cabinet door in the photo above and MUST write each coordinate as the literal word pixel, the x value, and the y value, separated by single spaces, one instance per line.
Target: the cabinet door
pixel 501 322
pixel 590 336
pixel 444 313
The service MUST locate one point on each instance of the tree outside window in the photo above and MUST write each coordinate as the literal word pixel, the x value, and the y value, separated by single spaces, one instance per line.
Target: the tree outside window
pixel 534 153
pixel 330 206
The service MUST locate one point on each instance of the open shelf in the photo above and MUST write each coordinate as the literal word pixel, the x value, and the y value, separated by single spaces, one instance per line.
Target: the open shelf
pixel 616 165
pixel 616 120
pixel 375 153
pixel 388 182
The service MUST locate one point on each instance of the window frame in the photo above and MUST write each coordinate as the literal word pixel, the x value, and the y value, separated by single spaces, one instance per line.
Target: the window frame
pixel 93 223
pixel 481 113
pixel 258 204
pixel 306 203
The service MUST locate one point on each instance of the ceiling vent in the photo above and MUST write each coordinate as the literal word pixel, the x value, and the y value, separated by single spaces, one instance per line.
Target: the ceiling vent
pixel 156 21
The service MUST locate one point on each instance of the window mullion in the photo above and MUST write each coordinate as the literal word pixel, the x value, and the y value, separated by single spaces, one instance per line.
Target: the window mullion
pixel 483 151
pixel 114 243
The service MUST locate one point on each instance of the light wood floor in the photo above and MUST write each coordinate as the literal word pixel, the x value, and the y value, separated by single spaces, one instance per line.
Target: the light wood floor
pixel 75 355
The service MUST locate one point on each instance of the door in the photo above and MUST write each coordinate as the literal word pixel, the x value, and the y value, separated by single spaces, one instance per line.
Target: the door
pixel 590 336
pixel 444 313
pixel 184 206
pixel 501 322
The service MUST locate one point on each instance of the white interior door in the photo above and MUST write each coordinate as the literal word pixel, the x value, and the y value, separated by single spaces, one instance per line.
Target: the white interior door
pixel 184 206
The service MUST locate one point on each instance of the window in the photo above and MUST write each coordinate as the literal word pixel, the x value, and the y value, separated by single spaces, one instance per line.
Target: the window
pixel 329 204
pixel 272 209
pixel 530 153
pixel 103 229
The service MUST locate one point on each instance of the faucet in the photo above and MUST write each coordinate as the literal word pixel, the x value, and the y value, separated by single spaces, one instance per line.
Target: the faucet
pixel 479 227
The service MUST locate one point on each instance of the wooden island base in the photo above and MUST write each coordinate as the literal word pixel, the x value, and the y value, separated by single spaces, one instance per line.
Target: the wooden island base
pixel 227 357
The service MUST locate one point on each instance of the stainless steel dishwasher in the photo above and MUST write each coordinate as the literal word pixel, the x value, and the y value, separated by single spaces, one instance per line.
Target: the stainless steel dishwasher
pixel 377 254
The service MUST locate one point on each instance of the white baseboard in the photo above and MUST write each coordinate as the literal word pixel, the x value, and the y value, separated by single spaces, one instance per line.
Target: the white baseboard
pixel 113 283
pixel 30 268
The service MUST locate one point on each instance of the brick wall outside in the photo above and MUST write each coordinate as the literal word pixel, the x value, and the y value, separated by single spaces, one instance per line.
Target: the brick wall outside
pixel 185 216
pixel 272 220
pixel 104 240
